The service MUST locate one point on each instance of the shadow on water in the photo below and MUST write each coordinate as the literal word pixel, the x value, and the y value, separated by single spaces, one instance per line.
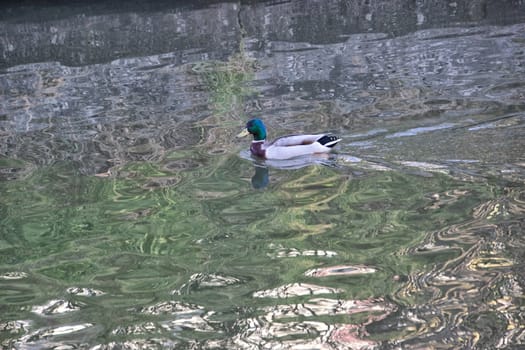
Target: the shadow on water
pixel 130 216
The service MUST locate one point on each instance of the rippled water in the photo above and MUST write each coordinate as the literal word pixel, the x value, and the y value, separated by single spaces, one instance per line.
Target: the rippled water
pixel 131 217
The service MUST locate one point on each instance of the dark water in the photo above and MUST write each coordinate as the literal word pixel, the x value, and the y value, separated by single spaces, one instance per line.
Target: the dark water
pixel 131 217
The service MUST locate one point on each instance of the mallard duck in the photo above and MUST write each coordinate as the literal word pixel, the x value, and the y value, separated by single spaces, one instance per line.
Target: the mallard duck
pixel 286 147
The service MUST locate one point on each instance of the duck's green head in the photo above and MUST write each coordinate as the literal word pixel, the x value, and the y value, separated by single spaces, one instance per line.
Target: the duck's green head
pixel 256 128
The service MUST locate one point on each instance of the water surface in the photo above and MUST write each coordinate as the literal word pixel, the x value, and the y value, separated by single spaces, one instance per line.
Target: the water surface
pixel 131 217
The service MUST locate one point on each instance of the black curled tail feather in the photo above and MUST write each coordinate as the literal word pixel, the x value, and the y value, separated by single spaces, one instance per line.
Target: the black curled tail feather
pixel 328 140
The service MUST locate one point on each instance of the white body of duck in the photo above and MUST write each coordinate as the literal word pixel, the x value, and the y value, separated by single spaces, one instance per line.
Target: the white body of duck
pixel 286 147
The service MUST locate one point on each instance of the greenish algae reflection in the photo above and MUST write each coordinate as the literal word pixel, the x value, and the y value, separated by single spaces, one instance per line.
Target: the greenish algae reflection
pixel 228 86
pixel 140 234
pixel 227 82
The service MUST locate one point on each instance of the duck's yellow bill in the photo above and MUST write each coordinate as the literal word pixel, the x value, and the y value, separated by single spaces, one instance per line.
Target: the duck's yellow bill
pixel 243 133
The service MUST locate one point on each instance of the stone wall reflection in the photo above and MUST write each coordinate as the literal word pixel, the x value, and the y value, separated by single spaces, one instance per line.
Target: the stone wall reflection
pixel 84 34
pixel 84 39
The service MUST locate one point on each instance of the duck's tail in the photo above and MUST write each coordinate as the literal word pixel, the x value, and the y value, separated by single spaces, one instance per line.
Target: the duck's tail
pixel 328 140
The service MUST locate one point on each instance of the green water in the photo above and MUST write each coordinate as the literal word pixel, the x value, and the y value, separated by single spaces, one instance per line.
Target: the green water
pixel 154 235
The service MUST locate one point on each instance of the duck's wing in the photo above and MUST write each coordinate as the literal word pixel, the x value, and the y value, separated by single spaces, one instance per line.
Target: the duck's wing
pixel 287 152
pixel 296 140
pixel 291 146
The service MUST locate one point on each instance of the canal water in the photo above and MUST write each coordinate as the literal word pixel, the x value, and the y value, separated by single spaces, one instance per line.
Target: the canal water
pixel 132 218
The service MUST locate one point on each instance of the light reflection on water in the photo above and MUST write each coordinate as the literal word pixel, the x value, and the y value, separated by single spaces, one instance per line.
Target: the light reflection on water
pixel 132 218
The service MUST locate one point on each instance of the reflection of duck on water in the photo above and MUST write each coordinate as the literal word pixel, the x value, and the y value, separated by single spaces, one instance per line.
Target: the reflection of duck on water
pixel 260 179
pixel 286 147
